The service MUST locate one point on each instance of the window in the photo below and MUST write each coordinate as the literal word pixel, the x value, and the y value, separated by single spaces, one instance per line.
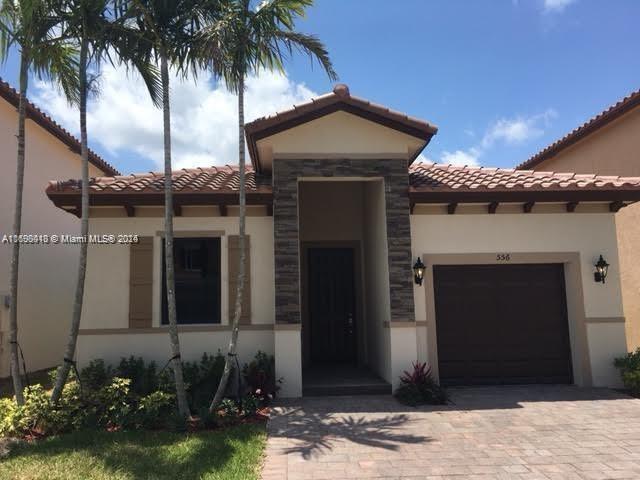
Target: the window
pixel 197 278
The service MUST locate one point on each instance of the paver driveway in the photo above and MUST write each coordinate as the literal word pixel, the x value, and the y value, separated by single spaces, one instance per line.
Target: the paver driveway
pixel 492 432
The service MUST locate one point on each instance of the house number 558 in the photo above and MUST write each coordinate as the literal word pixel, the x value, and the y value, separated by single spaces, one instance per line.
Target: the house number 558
pixel 503 257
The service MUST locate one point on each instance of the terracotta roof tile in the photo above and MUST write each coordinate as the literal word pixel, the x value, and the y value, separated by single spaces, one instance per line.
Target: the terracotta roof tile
pixel 428 182
pixel 46 122
pixel 425 177
pixel 191 180
pixel 603 118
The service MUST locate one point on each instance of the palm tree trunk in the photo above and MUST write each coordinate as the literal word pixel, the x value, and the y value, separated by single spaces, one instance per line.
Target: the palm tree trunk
pixel 233 343
pixel 69 354
pixel 17 229
pixel 181 394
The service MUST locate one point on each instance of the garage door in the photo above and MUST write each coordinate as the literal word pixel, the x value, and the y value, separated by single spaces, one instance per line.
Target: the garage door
pixel 502 324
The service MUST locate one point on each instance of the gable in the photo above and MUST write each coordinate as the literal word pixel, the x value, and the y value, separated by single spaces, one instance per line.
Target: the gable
pixel 50 127
pixel 613 149
pixel 338 134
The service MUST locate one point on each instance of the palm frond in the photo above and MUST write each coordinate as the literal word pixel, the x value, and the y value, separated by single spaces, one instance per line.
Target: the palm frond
pixel 309 45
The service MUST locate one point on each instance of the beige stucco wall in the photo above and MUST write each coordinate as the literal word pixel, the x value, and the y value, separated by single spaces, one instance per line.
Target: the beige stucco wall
pixel 628 227
pixel 614 150
pixel 47 273
pixel 155 346
pixel 105 318
pixel 377 302
pixel 588 235
pixel 339 134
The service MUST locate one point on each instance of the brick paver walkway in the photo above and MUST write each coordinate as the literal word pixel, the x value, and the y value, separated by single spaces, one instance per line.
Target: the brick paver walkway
pixel 492 432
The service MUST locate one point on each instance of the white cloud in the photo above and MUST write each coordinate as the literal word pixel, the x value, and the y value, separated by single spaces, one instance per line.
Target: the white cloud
pixel 556 5
pixel 204 115
pixel 461 158
pixel 518 130
pixel 505 131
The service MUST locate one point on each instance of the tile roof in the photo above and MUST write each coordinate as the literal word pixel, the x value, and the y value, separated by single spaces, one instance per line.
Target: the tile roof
pixel 55 129
pixel 188 180
pixel 339 99
pixel 428 183
pixel 427 177
pixel 615 111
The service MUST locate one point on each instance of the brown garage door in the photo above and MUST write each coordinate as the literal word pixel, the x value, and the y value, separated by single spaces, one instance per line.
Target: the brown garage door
pixel 501 324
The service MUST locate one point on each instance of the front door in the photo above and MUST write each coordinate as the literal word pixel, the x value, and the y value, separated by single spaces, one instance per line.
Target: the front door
pixel 332 305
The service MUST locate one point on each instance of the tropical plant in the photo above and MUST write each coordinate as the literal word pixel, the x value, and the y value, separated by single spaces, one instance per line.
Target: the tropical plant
pixel 244 38
pixel 170 27
pixel 417 387
pixel 32 26
pixel 91 26
pixel 629 367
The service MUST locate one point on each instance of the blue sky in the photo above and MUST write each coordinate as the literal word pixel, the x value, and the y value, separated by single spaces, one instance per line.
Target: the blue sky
pixel 501 78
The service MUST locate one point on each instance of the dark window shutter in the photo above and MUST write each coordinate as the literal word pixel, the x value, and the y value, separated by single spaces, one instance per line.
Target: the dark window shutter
pixel 141 283
pixel 234 264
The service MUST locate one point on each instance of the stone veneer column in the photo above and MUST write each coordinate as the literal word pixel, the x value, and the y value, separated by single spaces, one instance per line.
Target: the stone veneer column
pixel 395 174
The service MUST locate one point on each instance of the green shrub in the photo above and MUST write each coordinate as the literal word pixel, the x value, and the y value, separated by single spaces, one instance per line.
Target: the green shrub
pixel 154 409
pixel 38 416
pixel 143 376
pixel 418 388
pixel 201 379
pixel 96 375
pixel 229 408
pixel 134 394
pixel 249 405
pixel 114 404
pixel 629 367
pixel 260 376
pixel 8 407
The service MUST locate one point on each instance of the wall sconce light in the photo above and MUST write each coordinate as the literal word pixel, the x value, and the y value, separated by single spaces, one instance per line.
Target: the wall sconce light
pixel 602 267
pixel 418 271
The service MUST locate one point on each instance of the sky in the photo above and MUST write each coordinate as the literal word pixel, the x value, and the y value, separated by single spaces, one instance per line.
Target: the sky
pixel 500 78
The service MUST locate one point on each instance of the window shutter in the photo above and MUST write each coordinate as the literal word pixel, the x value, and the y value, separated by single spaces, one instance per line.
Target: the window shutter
pixel 234 263
pixel 141 283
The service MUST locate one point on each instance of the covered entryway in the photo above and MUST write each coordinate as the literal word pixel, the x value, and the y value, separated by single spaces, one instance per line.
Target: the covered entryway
pixel 338 264
pixel 502 324
pixel 332 305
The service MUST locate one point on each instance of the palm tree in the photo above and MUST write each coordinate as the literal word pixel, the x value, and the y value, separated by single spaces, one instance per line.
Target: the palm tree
pixel 170 27
pixel 246 39
pixel 31 26
pixel 90 24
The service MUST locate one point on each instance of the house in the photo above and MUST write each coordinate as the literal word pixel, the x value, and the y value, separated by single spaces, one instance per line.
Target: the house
pixel 47 272
pixel 339 210
pixel 608 144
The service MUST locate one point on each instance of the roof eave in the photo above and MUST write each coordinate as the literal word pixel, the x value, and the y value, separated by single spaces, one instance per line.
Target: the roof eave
pixel 591 126
pixel 524 195
pixel 266 127
pixel 145 199
pixel 47 123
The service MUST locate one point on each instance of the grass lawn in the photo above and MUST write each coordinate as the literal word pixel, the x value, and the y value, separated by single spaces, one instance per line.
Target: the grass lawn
pixel 234 453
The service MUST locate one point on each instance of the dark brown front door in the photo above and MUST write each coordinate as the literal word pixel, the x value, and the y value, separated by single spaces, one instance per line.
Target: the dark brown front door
pixel 332 305
pixel 501 324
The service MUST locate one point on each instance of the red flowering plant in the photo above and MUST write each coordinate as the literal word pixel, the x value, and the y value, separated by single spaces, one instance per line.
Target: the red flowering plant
pixel 417 387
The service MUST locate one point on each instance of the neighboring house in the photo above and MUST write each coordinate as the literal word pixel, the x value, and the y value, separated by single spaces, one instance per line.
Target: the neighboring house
pixel 608 144
pixel 47 272
pixel 338 214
